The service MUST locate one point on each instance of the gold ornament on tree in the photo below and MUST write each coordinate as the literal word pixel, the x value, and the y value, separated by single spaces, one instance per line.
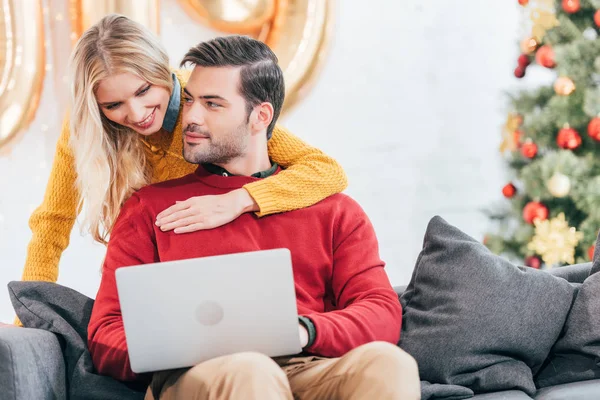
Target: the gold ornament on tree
pixel 543 18
pixel 559 185
pixel 564 86
pixel 555 240
pixel 528 45
pixel 510 140
pixel 22 65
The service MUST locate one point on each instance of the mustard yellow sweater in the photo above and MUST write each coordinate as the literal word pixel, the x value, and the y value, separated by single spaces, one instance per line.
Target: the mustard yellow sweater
pixel 309 177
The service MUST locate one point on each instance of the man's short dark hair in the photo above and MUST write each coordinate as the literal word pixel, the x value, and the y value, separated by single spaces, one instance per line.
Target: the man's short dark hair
pixel 261 79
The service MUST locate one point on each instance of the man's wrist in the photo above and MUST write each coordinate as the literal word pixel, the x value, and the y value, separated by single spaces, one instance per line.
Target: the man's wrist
pixel 310 328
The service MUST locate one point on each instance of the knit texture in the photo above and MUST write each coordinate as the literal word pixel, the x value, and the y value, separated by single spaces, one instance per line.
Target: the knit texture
pixel 310 176
pixel 339 278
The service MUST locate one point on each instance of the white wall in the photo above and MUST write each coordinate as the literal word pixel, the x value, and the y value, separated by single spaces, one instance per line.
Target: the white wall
pixel 410 102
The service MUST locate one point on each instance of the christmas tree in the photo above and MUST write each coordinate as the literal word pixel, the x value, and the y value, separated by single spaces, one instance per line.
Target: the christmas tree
pixel 550 214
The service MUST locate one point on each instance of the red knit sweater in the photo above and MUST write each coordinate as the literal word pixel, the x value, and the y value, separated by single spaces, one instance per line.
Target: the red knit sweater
pixel 339 278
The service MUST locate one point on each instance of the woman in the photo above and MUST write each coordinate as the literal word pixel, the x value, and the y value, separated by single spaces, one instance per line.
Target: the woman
pixel 124 136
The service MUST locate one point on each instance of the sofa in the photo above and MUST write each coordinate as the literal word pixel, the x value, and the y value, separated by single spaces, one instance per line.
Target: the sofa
pixel 32 365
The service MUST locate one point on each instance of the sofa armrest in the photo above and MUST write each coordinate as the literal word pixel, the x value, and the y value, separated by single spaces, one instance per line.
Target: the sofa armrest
pixel 31 365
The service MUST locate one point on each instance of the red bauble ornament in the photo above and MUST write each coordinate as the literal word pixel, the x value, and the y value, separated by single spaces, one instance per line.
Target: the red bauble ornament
pixel 594 129
pixel 571 6
pixel 591 251
pixel 545 56
pixel 523 60
pixel 597 18
pixel 509 190
pixel 519 72
pixel 534 210
pixel 533 262
pixel 568 138
pixel 523 2
pixel 529 149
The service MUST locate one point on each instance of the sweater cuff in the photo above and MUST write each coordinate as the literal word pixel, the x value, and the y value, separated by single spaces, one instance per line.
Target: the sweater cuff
pixel 262 195
pixel 310 327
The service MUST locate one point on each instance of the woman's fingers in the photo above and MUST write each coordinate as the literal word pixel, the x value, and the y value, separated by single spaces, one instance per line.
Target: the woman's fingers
pixel 178 206
pixel 175 216
pixel 180 223
pixel 190 228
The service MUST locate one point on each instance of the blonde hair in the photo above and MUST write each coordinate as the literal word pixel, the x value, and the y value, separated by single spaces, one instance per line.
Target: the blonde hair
pixel 110 159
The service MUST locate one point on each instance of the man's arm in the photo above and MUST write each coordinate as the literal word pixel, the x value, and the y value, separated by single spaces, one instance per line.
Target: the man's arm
pixel 132 242
pixel 367 306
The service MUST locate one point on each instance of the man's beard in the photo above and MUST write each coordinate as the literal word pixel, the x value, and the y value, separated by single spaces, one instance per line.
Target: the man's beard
pixel 217 151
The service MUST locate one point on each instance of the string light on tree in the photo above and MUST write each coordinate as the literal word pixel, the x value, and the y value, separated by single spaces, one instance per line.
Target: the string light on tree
pixel 559 185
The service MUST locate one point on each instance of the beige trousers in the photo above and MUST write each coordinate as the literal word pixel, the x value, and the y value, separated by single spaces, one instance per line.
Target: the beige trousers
pixel 375 370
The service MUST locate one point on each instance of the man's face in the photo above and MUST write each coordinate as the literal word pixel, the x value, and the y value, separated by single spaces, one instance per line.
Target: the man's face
pixel 215 120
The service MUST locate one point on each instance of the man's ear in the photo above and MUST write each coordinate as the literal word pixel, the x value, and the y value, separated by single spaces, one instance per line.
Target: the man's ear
pixel 261 117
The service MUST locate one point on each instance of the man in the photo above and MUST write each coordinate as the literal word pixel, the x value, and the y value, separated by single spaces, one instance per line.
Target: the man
pixel 350 316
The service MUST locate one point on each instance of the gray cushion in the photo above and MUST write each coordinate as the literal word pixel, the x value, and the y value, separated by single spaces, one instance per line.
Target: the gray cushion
pixel 588 390
pixel 434 391
pixel 473 319
pixel 504 395
pixel 31 365
pixel 66 313
pixel 576 355
pixel 573 273
pixel 596 259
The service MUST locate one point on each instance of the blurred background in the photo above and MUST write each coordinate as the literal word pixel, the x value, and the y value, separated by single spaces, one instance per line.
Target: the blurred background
pixel 419 101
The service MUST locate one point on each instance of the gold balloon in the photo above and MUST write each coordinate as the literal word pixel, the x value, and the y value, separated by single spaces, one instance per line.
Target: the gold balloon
pixel 233 16
pixel 564 86
pixel 85 13
pixel 302 50
pixel 22 65
pixel 299 32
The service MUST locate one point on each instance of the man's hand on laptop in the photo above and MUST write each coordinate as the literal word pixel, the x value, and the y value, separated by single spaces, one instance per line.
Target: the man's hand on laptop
pixel 303 335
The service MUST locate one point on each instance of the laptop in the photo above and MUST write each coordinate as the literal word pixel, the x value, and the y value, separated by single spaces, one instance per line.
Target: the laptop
pixel 180 313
